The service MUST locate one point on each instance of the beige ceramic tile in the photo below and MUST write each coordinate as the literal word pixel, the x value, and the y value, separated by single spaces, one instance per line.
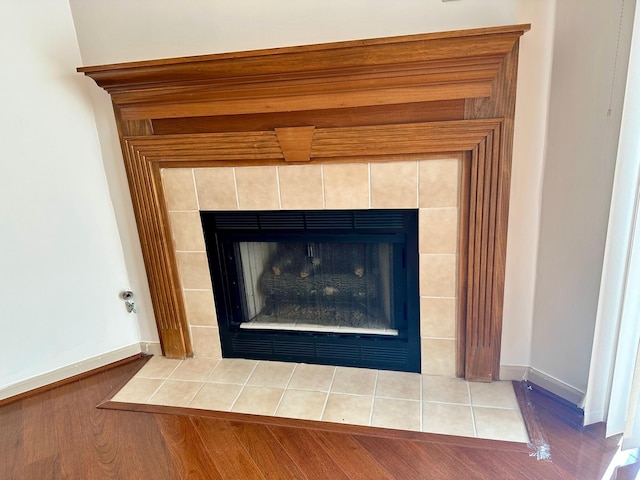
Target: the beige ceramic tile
pixel 301 187
pixel 312 377
pixel 445 389
pixel 232 370
pixel 346 185
pixel 437 275
pixel 216 188
pixel 206 342
pixel 394 185
pixel 439 183
pixel 494 394
pixel 302 404
pixel 200 307
pixel 216 396
pixel 500 424
pixel 272 374
pixel 438 317
pixel 398 385
pixel 258 400
pixel 179 190
pixel 187 231
pixel 438 357
pixel 396 414
pixel 447 419
pixel 356 381
pixel 438 230
pixel 158 367
pixel 194 270
pixel 175 393
pixel 351 409
pixel 257 188
pixel 194 369
pixel 138 390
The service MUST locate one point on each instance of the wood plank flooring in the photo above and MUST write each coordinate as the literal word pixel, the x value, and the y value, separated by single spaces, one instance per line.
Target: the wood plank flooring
pixel 60 434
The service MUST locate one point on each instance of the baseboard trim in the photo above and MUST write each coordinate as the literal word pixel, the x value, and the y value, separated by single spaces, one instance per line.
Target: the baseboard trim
pixel 151 348
pixel 546 381
pixel 65 374
pixel 515 373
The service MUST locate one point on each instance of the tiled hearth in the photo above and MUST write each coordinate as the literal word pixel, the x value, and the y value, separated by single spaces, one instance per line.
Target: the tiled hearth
pixel 396 400
pixel 431 186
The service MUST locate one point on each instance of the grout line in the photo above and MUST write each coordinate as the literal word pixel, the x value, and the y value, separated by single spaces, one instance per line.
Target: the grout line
pixel 235 185
pixel 324 202
pixel 369 183
pixel 212 370
pixel 418 185
pixel 286 388
pixel 326 399
pixel 195 187
pixel 196 393
pixel 373 397
pixel 235 400
pixel 164 380
pixel 473 416
pixel 278 187
pixel 421 406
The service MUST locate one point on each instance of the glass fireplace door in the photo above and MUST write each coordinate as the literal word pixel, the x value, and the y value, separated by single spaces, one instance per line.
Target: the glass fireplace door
pixel 338 287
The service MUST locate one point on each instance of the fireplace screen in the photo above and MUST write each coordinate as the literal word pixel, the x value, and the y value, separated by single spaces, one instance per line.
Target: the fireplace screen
pixel 317 286
pixel 334 287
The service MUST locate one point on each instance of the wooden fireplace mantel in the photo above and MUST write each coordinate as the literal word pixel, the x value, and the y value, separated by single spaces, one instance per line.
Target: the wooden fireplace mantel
pixel 372 100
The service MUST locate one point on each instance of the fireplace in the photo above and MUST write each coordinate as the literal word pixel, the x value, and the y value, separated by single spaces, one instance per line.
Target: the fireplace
pixel 410 99
pixel 337 287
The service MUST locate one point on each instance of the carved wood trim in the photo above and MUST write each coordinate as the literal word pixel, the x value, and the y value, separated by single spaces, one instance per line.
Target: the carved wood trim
pixel 371 100
pixel 480 139
pixel 295 143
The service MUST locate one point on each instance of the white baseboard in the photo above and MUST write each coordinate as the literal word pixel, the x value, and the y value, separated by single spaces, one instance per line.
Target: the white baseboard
pixel 151 348
pixel 548 382
pixel 69 371
pixel 513 372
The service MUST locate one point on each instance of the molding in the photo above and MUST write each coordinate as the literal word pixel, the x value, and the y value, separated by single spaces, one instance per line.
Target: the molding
pixel 541 379
pixel 151 348
pixel 554 385
pixel 386 71
pixel 69 371
pixel 515 373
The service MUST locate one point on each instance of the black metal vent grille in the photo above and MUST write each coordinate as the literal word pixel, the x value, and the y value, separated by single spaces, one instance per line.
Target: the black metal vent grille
pixel 360 352
pixel 310 220
pixel 343 352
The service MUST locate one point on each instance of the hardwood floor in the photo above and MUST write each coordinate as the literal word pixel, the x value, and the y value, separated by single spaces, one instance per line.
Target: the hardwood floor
pixel 60 433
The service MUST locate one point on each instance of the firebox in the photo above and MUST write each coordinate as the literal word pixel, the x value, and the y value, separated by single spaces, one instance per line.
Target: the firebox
pixel 336 287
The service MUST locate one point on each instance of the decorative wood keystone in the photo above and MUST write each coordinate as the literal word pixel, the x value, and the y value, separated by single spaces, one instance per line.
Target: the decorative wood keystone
pixel 295 143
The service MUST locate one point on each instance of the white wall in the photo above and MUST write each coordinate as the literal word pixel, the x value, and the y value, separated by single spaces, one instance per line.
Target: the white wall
pixel 589 70
pixel 112 31
pixel 61 261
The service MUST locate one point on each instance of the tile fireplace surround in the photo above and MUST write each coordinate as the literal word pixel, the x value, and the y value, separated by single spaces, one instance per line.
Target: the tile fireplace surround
pixel 432 186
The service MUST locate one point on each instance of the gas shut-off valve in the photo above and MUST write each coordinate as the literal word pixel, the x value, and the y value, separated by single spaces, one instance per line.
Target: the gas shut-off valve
pixel 127 296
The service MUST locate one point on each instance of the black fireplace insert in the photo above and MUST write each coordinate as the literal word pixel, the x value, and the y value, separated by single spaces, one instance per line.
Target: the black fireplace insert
pixel 336 287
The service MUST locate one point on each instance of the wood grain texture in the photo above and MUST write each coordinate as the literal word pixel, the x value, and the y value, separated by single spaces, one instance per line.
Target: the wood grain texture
pixel 398 98
pixel 348 74
pixel 83 442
